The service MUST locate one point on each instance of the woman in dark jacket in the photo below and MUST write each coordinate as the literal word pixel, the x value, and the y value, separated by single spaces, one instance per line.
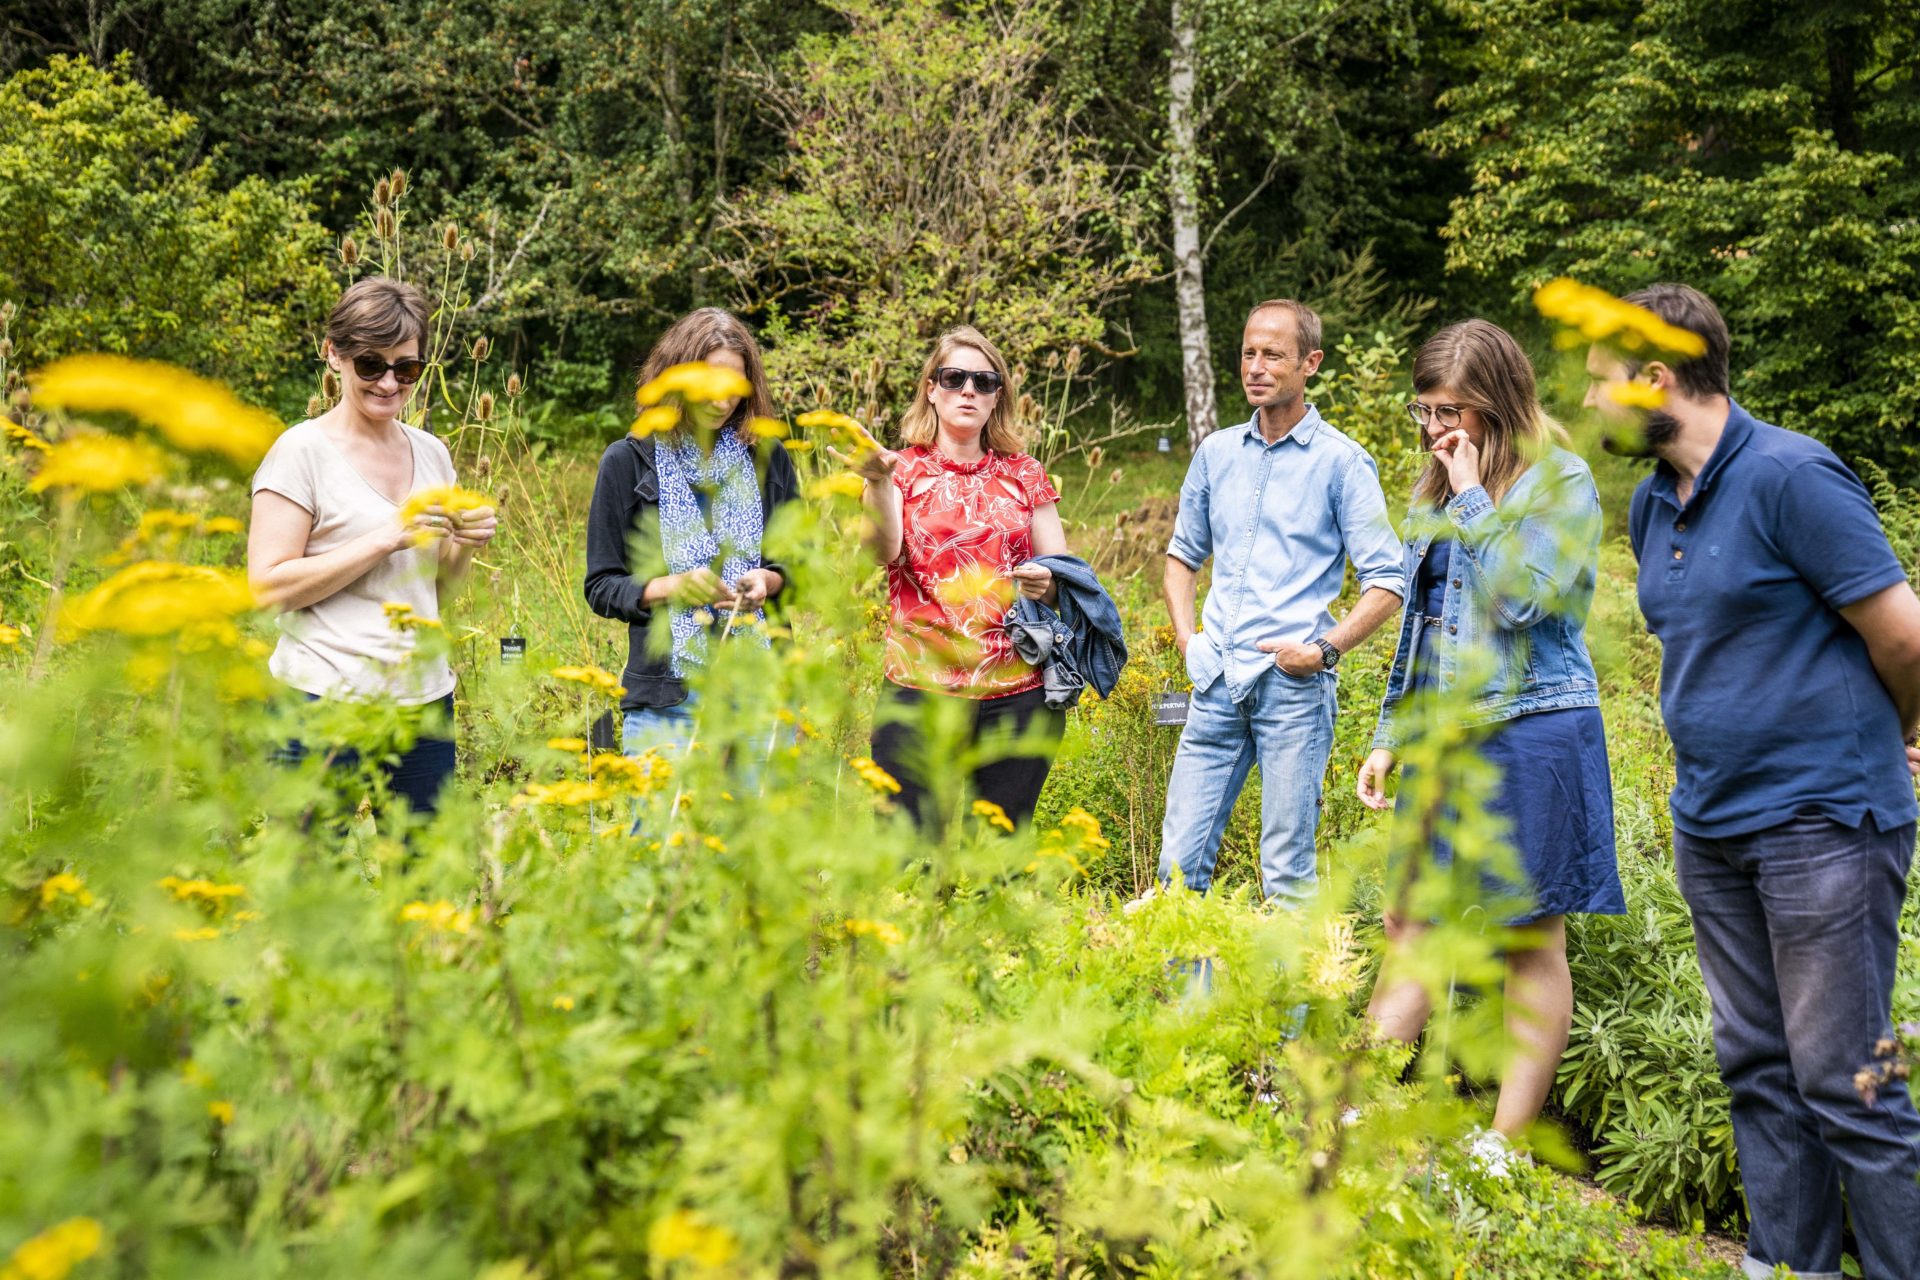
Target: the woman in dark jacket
pixel 677 527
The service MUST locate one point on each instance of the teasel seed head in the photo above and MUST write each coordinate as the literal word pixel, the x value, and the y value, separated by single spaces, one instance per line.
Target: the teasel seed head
pixel 466 251
pixel 382 193
pixel 330 386
pixel 483 409
pixel 513 384
pixel 383 224
pixel 480 348
pixel 1028 409
pixel 1115 477
pixel 1052 361
pixel 6 313
pixel 483 466
pixel 315 406
pixel 349 250
pixel 22 399
pixel 1073 360
pixel 397 180
pixel 6 348
pixel 1094 455
pixel 451 237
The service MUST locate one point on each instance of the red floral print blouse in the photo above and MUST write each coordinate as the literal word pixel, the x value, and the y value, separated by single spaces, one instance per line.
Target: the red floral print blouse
pixel 964 526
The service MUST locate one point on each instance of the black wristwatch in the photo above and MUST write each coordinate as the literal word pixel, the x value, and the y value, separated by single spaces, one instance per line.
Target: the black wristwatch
pixel 1329 656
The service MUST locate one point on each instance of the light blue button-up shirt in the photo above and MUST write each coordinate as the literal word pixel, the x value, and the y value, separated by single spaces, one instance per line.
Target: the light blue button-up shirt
pixel 1279 521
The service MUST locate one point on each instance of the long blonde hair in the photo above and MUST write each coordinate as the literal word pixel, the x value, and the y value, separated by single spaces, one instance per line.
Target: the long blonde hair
pixel 1481 362
pixel 1003 433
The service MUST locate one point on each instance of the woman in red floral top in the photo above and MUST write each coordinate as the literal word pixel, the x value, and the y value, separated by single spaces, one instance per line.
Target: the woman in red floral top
pixel 958 514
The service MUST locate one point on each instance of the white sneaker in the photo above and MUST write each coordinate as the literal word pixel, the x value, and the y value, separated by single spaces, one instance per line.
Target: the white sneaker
pixel 1489 1151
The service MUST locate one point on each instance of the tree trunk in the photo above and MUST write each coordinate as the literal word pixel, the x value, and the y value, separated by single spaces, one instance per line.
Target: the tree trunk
pixel 1189 283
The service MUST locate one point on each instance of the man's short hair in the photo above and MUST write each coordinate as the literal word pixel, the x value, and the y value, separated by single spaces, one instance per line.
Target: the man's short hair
pixel 1306 321
pixel 1685 307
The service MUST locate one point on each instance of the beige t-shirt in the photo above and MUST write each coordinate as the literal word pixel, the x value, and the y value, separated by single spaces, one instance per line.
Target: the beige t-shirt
pixel 343 646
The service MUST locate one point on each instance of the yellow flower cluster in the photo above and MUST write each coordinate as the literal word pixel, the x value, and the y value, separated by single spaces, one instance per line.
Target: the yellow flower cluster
pixel 846 431
pixel 95 463
pixel 401 617
pixel 159 597
pixel 563 1003
pixel 191 412
pixel 22 436
pixel 661 418
pixel 204 892
pixel 841 484
pixel 204 933
pixel 685 1234
pixel 695 383
pixel 450 498
pixel 567 793
pixel 768 428
pixel 876 777
pixel 441 916
pixel 994 815
pixel 9 635
pixel 573 745
pixel 974 583
pixel 64 884
pixel 593 678
pixel 1086 827
pixel 878 930
pixel 222 1110
pixel 55 1252
pixel 1594 315
pixel 641 774
pixel 162 531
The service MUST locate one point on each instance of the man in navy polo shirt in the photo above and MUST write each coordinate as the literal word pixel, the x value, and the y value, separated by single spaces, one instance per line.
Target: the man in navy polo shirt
pixel 1789 680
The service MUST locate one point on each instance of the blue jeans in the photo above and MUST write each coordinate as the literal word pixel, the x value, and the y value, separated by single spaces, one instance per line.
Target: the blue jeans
pixel 421 771
pixel 665 728
pixel 1797 930
pixel 1285 724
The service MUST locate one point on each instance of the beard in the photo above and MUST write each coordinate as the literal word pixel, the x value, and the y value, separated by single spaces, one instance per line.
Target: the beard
pixel 1658 428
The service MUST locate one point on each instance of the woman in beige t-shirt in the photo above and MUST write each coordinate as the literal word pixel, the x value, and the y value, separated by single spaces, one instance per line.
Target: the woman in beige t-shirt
pixel 328 546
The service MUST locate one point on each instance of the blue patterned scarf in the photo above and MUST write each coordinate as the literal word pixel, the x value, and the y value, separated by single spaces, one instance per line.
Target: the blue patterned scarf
pixel 725 537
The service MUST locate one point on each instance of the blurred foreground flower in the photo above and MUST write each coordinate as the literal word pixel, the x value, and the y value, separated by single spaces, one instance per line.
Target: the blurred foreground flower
pixel 22 436
pixel 695 382
pixel 54 1253
pixel 441 916
pixel 448 497
pixel 9 635
pixel 191 412
pixel 64 884
pixel 1594 315
pixel 993 814
pixel 159 597
pixel 593 678
pixel 879 930
pixel 841 484
pixel 567 793
pixel 95 463
pixel 685 1234
pixel 653 421
pixel 1636 395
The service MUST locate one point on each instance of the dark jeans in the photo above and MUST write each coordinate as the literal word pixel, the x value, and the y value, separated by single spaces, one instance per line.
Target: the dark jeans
pixel 1012 782
pixel 422 769
pixel 1797 929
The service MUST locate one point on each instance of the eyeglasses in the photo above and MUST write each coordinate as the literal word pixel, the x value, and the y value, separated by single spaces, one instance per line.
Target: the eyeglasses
pixel 372 368
pixel 1448 414
pixel 985 381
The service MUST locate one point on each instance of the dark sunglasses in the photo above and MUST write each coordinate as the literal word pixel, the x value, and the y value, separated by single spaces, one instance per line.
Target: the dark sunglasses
pixel 985 381
pixel 372 368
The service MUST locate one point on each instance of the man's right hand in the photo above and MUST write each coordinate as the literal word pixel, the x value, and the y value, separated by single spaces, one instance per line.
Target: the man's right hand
pixel 1181 643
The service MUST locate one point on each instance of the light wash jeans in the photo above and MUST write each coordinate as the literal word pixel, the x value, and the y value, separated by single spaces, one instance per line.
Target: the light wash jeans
pixel 1284 724
pixel 666 728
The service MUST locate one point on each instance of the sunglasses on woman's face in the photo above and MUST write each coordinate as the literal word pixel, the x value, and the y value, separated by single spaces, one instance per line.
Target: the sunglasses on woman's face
pixel 372 368
pixel 985 381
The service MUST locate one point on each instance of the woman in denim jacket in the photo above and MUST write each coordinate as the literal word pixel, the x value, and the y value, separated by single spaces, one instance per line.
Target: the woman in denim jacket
pixel 1501 562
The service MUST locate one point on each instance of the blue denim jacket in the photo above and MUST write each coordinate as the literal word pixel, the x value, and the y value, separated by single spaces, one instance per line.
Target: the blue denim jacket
pixel 1521 584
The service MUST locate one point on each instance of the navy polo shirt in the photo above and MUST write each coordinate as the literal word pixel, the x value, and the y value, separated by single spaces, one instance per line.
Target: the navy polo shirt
pixel 1769 695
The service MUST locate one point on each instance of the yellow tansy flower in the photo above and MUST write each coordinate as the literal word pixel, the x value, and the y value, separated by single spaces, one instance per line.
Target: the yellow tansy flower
pixel 55 1252
pixel 64 884
pixel 191 412
pixel 695 382
pixel 685 1234
pixel 593 678
pixel 222 1110
pixel 159 597
pixel 662 417
pixel 879 930
pixel 93 463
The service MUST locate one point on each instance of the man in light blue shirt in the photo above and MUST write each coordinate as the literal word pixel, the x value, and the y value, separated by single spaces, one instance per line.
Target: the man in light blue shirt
pixel 1280 505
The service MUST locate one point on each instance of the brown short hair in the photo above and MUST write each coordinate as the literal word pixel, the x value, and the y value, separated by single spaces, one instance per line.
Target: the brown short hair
pixel 376 313
pixel 1685 307
pixel 692 337
pixel 1306 321
pixel 1004 432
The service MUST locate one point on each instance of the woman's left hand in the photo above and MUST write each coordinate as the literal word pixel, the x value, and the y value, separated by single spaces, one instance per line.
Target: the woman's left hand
pixel 755 586
pixel 1461 457
pixel 475 528
pixel 1035 581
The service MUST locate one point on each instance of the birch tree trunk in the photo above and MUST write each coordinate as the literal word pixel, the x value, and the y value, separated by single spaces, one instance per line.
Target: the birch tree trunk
pixel 1189 282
